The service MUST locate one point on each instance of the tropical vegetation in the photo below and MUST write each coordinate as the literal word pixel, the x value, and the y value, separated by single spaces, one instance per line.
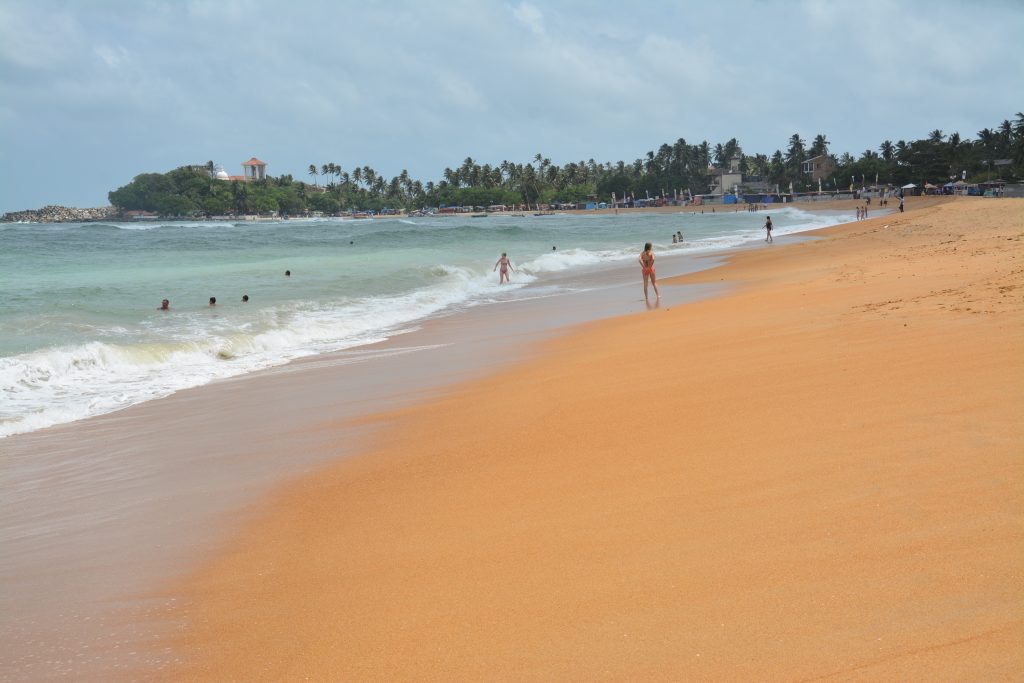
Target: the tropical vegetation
pixel 679 166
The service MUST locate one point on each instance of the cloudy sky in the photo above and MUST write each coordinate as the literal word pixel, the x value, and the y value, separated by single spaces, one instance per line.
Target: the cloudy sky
pixel 93 92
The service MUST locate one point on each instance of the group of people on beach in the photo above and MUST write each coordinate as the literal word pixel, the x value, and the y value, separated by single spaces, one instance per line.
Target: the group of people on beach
pixel 165 305
pixel 646 266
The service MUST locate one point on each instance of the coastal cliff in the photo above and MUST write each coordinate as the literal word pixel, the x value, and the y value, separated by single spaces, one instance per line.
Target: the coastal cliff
pixel 60 214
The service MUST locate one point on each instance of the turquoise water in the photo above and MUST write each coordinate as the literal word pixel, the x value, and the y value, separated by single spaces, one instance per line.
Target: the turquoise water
pixel 80 333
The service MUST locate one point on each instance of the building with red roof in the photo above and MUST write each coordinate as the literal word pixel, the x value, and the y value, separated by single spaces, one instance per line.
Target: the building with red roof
pixel 255 169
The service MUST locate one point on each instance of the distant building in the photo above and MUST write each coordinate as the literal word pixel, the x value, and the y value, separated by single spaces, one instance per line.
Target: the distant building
pixel 255 169
pixel 820 167
pixel 726 180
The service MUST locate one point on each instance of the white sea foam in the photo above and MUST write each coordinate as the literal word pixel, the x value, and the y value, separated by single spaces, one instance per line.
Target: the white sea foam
pixel 58 385
pixel 558 261
pixel 123 357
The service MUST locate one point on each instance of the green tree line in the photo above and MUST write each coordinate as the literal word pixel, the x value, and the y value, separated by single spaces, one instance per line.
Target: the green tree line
pixel 679 166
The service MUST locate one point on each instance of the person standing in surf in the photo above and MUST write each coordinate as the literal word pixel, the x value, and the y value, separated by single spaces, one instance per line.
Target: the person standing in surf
pixel 505 266
pixel 647 269
pixel 768 229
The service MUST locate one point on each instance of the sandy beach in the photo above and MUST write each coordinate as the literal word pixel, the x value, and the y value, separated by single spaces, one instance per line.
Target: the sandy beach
pixel 816 475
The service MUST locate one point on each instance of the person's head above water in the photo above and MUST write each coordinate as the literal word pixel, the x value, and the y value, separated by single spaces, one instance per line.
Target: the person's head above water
pixel 287 273
pixel 213 301
pixel 245 298
pixel 165 305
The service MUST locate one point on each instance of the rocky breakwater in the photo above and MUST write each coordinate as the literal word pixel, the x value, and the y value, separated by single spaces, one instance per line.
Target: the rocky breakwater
pixel 60 214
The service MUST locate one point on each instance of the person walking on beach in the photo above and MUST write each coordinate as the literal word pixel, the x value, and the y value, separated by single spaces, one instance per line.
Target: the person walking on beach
pixel 647 268
pixel 505 265
pixel 768 229
pixel 901 204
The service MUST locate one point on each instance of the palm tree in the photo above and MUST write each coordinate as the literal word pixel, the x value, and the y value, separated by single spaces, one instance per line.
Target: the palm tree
pixel 987 139
pixel 935 136
pixel 759 165
pixel 704 155
pixel 1005 132
pixel 719 154
pixel 729 150
pixel 954 149
pixel 902 150
pixel 795 154
pixel 820 145
pixel 887 150
pixel 312 172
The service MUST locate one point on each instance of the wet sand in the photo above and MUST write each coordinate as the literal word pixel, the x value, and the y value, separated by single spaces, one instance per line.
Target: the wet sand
pixel 97 515
pixel 816 475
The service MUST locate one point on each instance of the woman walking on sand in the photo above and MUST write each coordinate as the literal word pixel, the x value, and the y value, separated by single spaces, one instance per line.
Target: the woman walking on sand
pixel 647 268
pixel 505 266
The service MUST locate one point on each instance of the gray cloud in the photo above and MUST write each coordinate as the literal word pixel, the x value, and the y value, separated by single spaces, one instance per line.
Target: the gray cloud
pixel 92 93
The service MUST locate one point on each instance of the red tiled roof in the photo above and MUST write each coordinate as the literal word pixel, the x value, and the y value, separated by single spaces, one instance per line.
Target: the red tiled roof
pixel 254 162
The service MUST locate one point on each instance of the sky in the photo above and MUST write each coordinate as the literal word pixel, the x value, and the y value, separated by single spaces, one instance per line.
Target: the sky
pixel 94 92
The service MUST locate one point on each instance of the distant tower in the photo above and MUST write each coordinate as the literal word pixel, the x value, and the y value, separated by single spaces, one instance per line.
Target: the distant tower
pixel 255 169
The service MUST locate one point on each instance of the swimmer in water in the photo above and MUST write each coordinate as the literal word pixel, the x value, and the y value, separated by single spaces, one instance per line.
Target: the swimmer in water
pixel 165 305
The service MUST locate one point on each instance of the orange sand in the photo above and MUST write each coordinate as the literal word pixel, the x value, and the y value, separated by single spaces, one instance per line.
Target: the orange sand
pixel 814 476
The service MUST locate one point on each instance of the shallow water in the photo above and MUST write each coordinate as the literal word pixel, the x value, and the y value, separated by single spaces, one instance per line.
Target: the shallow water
pixel 80 333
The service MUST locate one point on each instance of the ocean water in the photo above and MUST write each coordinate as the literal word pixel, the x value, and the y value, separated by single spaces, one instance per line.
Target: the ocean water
pixel 80 333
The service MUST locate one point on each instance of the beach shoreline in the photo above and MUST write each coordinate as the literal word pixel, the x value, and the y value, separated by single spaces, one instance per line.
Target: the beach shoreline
pixel 161 484
pixel 256 443
pixel 768 483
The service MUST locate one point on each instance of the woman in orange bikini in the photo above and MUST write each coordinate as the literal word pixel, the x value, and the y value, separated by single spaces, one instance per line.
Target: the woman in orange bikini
pixel 647 268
